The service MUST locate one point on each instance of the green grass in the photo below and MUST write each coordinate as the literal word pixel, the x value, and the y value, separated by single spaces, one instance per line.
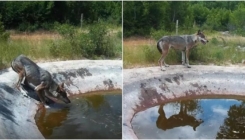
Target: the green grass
pixel 10 50
pixel 215 52
pixel 40 47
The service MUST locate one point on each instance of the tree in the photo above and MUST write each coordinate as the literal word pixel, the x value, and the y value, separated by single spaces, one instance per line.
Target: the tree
pixel 233 127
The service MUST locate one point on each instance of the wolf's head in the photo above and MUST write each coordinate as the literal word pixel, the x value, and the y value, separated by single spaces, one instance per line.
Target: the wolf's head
pixel 202 37
pixel 196 123
pixel 61 94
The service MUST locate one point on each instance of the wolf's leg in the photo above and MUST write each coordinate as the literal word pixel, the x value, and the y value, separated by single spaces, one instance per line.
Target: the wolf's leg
pixel 40 86
pixel 160 62
pixel 23 91
pixel 187 58
pixel 161 110
pixel 183 57
pixel 40 94
pixel 23 80
pixel 165 49
pixel 21 76
pixel 165 52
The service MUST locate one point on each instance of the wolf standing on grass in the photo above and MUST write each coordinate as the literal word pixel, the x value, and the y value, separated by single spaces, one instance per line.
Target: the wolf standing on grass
pixel 38 79
pixel 183 43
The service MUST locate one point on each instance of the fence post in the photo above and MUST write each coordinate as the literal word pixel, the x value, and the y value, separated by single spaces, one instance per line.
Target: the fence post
pixel 81 20
pixel 177 21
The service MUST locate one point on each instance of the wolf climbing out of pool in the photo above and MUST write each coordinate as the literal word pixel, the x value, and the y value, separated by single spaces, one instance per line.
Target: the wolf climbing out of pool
pixel 183 43
pixel 177 120
pixel 38 79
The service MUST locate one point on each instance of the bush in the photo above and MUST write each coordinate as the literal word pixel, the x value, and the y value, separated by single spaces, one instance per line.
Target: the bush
pixel 97 41
pixel 214 41
pixel 26 26
pixel 54 50
pixel 4 36
pixel 150 54
pixel 156 34
pixel 91 43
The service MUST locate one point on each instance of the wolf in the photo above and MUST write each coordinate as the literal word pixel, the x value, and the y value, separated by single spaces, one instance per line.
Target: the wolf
pixel 177 120
pixel 183 43
pixel 38 79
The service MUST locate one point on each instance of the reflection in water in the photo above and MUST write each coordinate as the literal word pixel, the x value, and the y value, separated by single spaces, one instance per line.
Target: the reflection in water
pixel 192 119
pixel 52 120
pixel 234 124
pixel 177 120
pixel 89 117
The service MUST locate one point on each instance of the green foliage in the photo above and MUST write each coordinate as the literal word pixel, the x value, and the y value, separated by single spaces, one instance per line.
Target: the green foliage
pixel 149 53
pixel 214 41
pixel 97 41
pixel 157 34
pixel 218 20
pixel 94 42
pixel 144 17
pixel 33 15
pixel 66 30
pixel 4 36
pixel 60 48
pixel 237 19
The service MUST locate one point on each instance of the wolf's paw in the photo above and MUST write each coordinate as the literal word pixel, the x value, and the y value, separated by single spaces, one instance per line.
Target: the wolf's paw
pixel 24 93
pixel 188 66
pixel 163 69
pixel 166 65
pixel 41 106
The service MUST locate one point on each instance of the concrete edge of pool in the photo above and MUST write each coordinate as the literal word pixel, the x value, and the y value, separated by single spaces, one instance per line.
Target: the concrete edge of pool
pixel 147 87
pixel 81 76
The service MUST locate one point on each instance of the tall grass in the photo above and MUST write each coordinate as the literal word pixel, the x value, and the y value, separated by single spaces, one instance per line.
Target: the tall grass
pixel 219 51
pixel 60 46
pixel 37 51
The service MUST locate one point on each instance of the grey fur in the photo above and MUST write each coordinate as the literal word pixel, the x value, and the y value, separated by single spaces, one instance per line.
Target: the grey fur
pixel 183 43
pixel 38 79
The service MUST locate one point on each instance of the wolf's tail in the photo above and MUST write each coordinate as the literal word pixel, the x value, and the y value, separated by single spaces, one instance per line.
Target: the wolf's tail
pixel 158 46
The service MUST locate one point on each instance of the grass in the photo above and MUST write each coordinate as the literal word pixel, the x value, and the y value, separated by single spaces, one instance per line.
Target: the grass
pixel 37 49
pixel 221 50
pixel 37 46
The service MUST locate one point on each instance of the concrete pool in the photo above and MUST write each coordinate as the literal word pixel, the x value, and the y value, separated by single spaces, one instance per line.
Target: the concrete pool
pixel 148 87
pixel 81 76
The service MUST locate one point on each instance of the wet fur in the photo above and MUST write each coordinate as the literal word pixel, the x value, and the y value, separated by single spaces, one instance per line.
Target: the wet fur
pixel 37 78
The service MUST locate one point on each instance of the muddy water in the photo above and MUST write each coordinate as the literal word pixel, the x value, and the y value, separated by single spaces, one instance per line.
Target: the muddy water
pixel 90 116
pixel 192 119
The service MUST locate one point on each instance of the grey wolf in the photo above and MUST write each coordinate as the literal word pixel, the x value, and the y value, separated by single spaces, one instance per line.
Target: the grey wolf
pixel 38 79
pixel 177 120
pixel 183 43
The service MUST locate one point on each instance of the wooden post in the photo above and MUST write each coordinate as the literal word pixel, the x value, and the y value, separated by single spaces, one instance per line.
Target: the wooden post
pixel 81 20
pixel 177 27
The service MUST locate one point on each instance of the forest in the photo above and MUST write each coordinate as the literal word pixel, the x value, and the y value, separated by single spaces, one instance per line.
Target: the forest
pixel 32 15
pixel 142 18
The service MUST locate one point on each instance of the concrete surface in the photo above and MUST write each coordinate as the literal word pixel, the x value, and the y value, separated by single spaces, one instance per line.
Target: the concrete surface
pixel 147 87
pixel 17 112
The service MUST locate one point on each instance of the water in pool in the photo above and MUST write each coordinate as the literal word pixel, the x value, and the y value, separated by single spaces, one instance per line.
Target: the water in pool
pixel 192 119
pixel 90 116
